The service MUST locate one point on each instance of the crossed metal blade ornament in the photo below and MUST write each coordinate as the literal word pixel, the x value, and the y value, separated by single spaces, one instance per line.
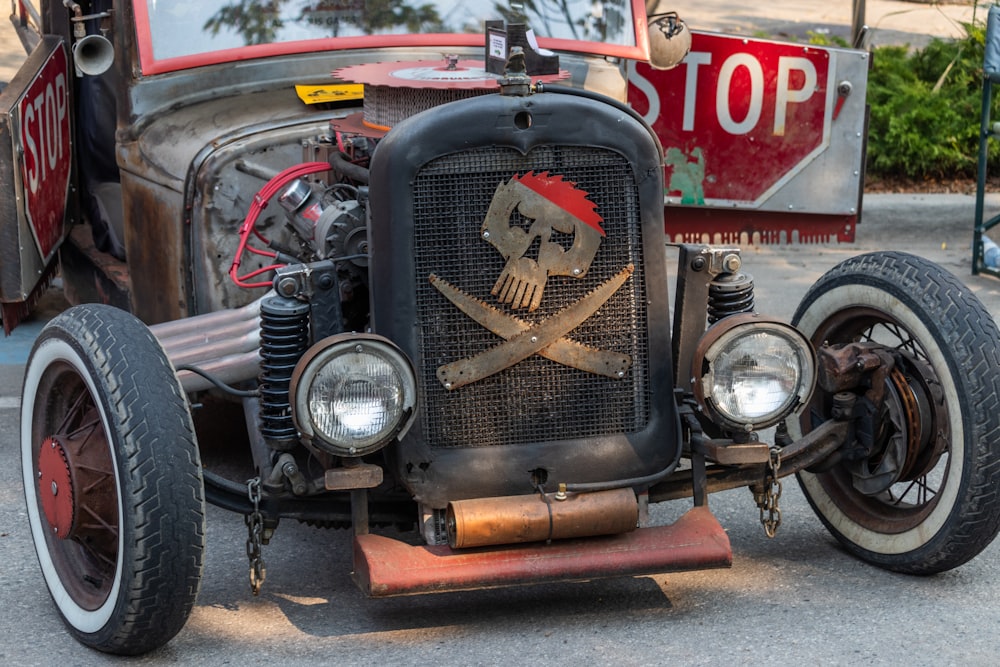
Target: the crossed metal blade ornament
pixel 521 340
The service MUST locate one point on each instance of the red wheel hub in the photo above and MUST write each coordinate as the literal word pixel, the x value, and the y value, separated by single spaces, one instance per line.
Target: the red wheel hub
pixel 76 483
pixel 55 487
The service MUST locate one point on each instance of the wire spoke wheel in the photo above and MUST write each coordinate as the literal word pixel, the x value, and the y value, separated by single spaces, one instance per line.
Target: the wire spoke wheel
pixel 896 486
pixel 77 488
pixel 922 497
pixel 112 480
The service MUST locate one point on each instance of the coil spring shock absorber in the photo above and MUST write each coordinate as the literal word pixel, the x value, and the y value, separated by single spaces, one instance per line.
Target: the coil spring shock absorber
pixel 730 294
pixel 284 338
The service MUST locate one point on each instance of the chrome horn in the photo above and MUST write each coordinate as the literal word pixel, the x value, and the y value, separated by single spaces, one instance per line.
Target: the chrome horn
pixel 92 54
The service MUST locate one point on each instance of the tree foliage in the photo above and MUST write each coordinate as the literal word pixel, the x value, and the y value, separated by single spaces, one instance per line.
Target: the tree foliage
pixel 259 21
pixel 925 109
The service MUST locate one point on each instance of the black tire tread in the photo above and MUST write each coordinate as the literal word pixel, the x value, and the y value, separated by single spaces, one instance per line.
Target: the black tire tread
pixel 962 324
pixel 160 469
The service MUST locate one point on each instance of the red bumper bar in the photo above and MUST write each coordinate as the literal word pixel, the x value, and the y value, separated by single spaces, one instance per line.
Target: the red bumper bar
pixel 384 567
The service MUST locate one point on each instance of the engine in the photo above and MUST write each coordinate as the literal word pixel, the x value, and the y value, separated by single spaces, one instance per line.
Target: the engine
pixel 504 251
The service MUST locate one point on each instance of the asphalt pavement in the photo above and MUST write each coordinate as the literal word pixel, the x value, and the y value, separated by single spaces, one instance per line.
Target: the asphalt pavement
pixel 793 600
pixel 913 23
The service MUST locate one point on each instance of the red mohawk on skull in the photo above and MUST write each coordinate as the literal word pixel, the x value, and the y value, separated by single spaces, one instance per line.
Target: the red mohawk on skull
pixel 565 195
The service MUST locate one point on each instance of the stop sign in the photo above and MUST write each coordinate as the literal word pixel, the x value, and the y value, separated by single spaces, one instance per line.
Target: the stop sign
pixel 44 135
pixel 737 117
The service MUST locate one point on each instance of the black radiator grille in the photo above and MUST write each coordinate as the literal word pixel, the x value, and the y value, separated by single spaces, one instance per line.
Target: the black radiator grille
pixel 536 400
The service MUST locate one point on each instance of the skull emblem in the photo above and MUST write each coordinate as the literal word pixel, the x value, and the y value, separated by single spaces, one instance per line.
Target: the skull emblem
pixel 553 205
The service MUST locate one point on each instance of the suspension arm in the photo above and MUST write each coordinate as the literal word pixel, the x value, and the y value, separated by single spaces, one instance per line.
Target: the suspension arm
pixel 809 450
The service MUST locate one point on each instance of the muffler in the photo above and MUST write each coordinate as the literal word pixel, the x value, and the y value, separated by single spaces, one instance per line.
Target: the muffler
pixel 536 518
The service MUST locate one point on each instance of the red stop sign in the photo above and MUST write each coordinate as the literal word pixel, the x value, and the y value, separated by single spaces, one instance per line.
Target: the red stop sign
pixel 737 117
pixel 44 118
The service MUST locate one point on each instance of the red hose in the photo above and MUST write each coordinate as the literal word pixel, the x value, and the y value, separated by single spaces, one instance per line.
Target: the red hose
pixel 260 200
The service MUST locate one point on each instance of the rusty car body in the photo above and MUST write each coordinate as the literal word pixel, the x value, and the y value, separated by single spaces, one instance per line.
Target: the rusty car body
pixel 403 269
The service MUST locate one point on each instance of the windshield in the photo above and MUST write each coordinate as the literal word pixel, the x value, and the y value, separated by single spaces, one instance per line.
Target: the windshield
pixel 175 34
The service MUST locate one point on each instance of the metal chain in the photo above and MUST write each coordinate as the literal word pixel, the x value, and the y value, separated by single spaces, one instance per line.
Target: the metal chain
pixel 255 530
pixel 770 513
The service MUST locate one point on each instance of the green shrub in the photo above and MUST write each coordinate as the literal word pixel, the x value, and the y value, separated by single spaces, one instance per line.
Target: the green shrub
pixel 925 109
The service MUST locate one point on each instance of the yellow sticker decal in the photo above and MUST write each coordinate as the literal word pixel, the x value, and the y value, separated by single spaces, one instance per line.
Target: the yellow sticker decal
pixel 330 93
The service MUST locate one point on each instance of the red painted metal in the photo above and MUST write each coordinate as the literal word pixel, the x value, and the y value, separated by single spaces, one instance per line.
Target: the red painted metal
pixel 44 137
pixel 740 227
pixel 384 567
pixel 762 110
pixel 55 487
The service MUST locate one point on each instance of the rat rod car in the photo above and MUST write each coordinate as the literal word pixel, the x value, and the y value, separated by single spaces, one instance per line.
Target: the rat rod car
pixel 412 259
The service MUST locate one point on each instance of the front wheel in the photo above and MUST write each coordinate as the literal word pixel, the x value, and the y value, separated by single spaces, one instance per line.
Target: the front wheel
pixel 926 498
pixel 112 480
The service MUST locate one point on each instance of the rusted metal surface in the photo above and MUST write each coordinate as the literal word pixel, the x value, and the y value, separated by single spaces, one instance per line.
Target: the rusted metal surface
pixel 92 276
pixel 35 212
pixel 156 247
pixel 564 351
pixel 844 367
pixel 13 313
pixel 727 452
pixel 361 476
pixel 742 227
pixel 528 342
pixel 518 519
pixel 384 567
pixel 805 452
pixel 903 393
pixel 697 266
pixel 27 23
pixel 554 206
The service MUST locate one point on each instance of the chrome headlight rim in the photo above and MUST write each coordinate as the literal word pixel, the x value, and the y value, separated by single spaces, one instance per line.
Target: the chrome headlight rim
pixel 328 351
pixel 723 336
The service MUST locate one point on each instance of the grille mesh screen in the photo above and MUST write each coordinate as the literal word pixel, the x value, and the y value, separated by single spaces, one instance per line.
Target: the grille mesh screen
pixel 385 106
pixel 537 399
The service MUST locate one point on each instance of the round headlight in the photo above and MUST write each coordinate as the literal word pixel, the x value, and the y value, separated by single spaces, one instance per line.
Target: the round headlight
pixel 750 373
pixel 353 394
